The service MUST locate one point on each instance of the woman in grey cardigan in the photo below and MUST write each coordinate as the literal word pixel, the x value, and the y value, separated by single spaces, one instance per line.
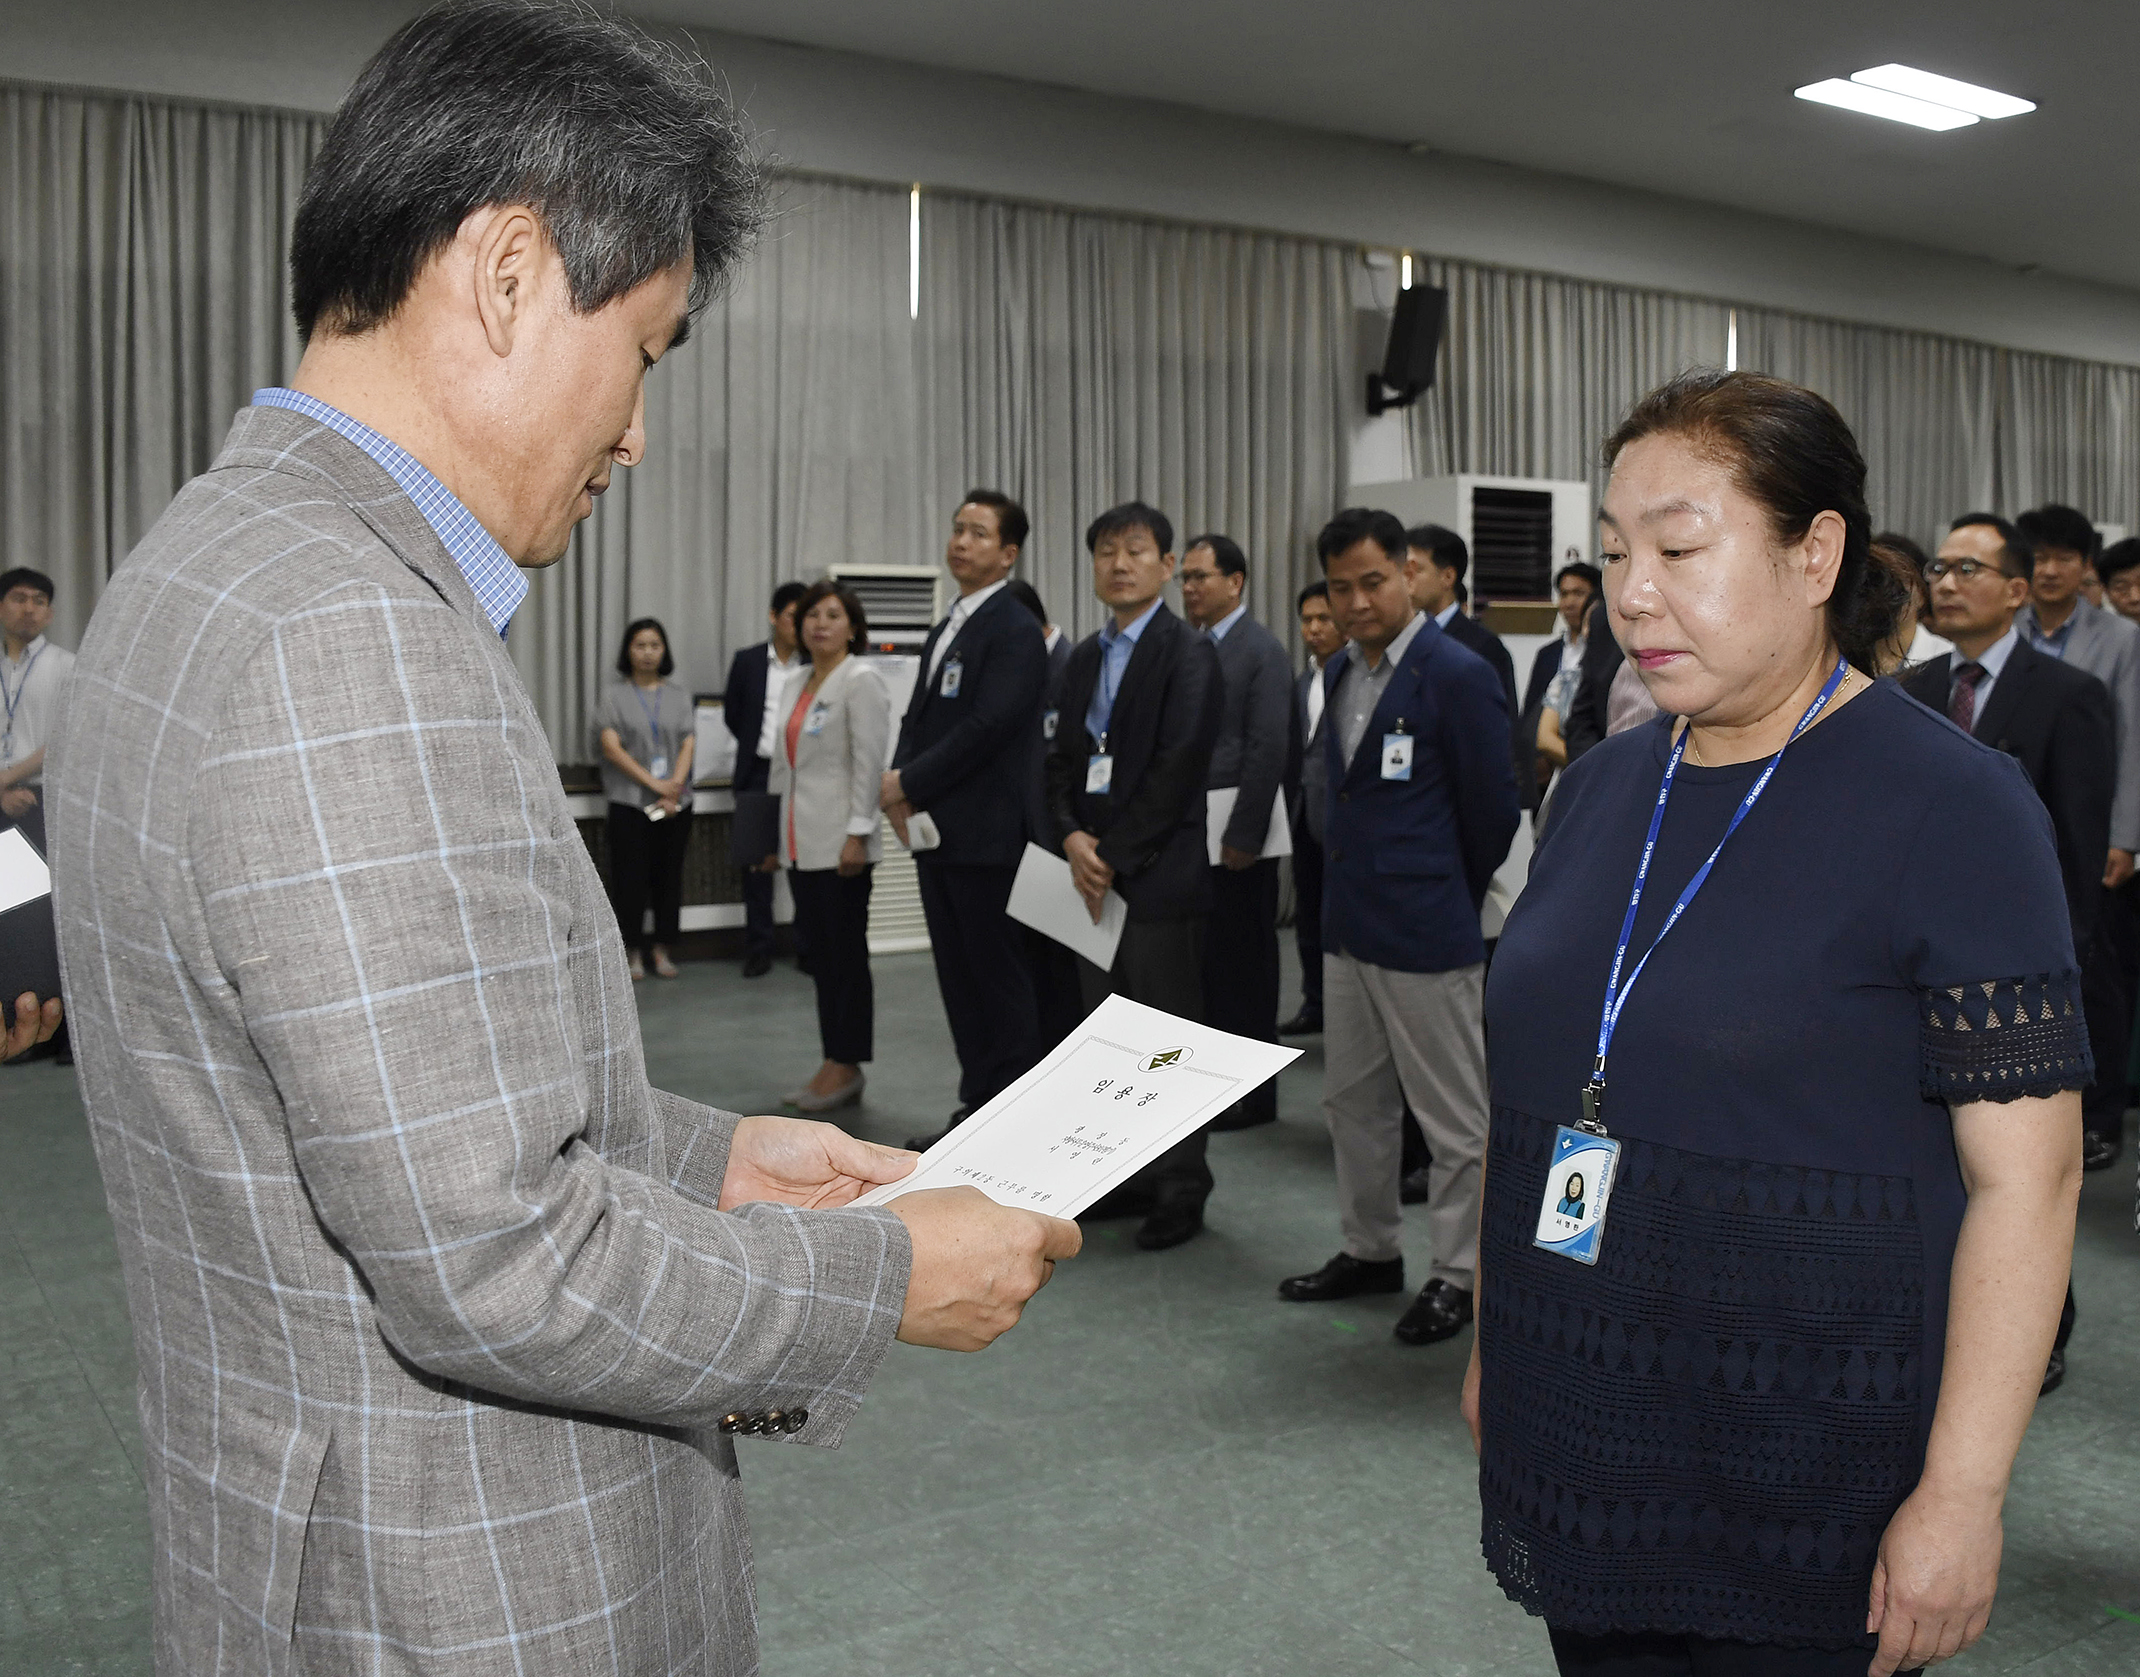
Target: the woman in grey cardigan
pixel 829 755
pixel 644 731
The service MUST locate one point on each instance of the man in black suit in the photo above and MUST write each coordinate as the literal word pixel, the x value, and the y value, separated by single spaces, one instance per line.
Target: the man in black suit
pixel 1439 561
pixel 1308 787
pixel 743 709
pixel 1140 718
pixel 962 759
pixel 1058 1000
pixel 1256 676
pixel 1577 586
pixel 2054 718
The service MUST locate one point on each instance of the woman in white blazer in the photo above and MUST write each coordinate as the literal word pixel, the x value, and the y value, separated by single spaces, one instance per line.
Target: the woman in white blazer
pixel 829 756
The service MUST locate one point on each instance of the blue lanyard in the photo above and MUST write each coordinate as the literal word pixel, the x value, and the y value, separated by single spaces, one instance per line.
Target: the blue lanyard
pixel 1616 992
pixel 15 698
pixel 652 713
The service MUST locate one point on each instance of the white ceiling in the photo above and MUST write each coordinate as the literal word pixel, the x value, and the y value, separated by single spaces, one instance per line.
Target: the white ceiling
pixel 1687 97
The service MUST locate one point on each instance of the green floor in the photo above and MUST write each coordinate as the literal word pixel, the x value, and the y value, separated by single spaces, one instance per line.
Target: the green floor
pixel 1164 1470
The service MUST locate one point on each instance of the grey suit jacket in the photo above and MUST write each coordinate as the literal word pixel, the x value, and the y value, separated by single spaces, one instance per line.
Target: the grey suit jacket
pixel 2108 648
pixel 439 1327
pixel 1254 727
pixel 839 770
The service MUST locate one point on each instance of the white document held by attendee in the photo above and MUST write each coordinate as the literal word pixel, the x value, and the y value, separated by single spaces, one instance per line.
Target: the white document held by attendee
pixel 1044 898
pixel 1218 810
pixel 23 874
pixel 1121 1089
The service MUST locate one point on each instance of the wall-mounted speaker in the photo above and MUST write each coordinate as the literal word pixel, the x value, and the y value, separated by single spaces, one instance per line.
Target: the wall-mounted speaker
pixel 1415 345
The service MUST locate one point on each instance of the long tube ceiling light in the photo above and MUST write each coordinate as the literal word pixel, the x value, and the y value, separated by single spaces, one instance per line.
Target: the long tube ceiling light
pixel 1901 94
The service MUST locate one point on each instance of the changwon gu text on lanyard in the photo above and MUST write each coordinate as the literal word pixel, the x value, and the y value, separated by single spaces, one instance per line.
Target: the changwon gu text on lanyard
pixel 1571 1214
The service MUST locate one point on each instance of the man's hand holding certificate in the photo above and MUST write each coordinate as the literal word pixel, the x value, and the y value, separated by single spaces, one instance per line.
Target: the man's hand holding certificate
pixel 1121 1089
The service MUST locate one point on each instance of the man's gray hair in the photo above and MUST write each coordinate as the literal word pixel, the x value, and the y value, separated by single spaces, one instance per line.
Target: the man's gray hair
pixel 623 145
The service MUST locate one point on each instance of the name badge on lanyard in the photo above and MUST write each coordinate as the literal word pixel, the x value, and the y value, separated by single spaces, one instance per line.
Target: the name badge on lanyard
pixel 1047 725
pixel 1571 1211
pixel 1571 1216
pixel 1397 754
pixel 954 672
pixel 1100 771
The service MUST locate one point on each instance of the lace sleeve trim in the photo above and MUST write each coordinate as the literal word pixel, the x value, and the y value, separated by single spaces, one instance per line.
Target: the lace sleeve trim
pixel 2003 1039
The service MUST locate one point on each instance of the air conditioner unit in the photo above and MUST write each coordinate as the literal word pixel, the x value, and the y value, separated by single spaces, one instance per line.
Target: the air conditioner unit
pixel 1520 530
pixel 902 602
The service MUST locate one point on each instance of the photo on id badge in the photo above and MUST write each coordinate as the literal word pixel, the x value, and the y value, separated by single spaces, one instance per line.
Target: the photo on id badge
pixel 1397 755
pixel 1571 1210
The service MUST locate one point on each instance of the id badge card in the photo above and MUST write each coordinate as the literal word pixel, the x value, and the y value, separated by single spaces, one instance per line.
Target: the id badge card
pixel 814 723
pixel 1047 725
pixel 1100 773
pixel 953 672
pixel 1571 1213
pixel 1396 756
pixel 659 768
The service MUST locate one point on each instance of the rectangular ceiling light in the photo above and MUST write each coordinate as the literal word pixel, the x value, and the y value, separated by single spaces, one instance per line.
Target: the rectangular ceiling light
pixel 1876 101
pixel 1943 90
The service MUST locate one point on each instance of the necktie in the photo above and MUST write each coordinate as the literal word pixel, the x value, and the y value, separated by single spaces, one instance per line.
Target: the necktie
pixel 1962 698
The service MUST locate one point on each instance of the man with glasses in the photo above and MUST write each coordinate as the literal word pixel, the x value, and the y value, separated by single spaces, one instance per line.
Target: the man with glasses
pixel 2119 567
pixel 2051 717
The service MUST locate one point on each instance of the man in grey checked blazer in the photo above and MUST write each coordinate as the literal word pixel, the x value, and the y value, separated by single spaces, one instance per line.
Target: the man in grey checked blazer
pixel 447 1321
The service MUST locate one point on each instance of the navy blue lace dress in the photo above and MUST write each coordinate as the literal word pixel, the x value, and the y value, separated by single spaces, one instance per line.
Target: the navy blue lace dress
pixel 1707 1433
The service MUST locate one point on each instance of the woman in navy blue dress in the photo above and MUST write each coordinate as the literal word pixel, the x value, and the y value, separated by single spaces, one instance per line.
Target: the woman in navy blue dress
pixel 1751 1407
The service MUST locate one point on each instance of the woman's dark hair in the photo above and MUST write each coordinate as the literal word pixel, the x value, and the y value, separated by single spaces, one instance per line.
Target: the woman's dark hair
pixel 1789 449
pixel 850 602
pixel 624 652
pixel 621 144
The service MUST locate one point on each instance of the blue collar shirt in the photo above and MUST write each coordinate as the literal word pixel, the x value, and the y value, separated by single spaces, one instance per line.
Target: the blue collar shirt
pixel 492 577
pixel 1218 630
pixel 1116 646
pixel 2053 642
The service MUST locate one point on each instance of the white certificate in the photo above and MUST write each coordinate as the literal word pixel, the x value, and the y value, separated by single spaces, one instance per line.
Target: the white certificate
pixel 1121 1089
pixel 23 874
pixel 1044 898
pixel 1218 810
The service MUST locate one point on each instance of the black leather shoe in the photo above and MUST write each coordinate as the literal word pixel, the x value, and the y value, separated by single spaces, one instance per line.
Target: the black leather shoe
pixel 1238 1117
pixel 757 966
pixel 1172 1221
pixel 1307 1022
pixel 2098 1152
pixel 922 1143
pixel 1341 1278
pixel 1417 1187
pixel 1129 1200
pixel 2053 1376
pixel 1439 1311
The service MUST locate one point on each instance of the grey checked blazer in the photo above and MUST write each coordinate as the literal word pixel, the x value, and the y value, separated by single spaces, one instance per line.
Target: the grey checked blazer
pixel 437 1320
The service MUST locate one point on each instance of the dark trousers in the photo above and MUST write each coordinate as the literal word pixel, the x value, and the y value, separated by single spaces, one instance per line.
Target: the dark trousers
pixel 981 970
pixel 1655 1654
pixel 1161 964
pixel 2108 1010
pixel 834 916
pixel 757 913
pixel 1241 966
pixel 1308 916
pixel 1058 998
pixel 646 866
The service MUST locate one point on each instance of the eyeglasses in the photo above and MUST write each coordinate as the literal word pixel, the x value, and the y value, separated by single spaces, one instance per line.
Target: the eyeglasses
pixel 1966 569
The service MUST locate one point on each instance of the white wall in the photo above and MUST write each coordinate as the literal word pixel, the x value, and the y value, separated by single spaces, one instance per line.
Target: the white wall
pixel 878 120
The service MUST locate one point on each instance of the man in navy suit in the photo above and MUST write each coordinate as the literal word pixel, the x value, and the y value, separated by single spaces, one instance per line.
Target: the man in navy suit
pixel 1057 996
pixel 1241 941
pixel 1308 790
pixel 1140 718
pixel 1421 812
pixel 963 756
pixel 743 709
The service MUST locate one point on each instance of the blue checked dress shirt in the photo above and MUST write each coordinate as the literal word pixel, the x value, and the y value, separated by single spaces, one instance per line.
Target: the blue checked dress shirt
pixel 493 578
pixel 1116 646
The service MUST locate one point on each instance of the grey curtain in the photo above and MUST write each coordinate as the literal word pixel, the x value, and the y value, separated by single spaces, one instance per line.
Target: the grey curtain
pixel 1078 360
pixel 1073 359
pixel 141 303
pixel 1536 370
